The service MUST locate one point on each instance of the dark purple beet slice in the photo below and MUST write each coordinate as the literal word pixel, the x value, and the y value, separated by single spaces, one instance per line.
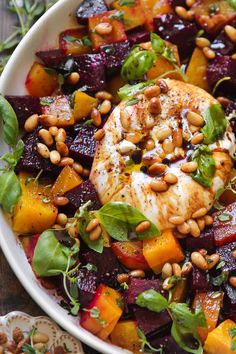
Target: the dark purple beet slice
pixel 51 58
pixel 222 67
pixel 83 147
pixel 138 35
pixel 222 45
pixel 24 107
pixel 199 280
pixel 230 297
pixel 231 108
pixel 205 240
pixel 149 321
pixel 137 286
pixel 168 345
pixel 87 285
pixel 91 70
pixel 177 3
pixel 113 56
pixel 178 31
pixel 90 8
pixel 107 265
pixel 82 194
pixel 226 255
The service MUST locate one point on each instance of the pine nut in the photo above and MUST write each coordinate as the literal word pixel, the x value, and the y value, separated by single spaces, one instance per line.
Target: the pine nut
pixel 154 106
pixel 186 269
pixel 55 157
pixel 199 213
pixel 166 285
pixel 46 137
pixel 105 107
pixel 103 95
pixel 189 167
pixel 163 85
pixel 176 220
pixel 103 28
pixel 208 220
pixel 60 201
pixel 197 139
pixel 224 101
pixel 31 123
pixel 96 117
pixel 124 119
pixel 212 260
pixel 150 144
pixel 232 281
pixel 62 148
pixel 194 229
pixel 48 120
pixel 99 134
pixel 201 224
pixel 43 150
pixel 73 78
pixel 122 278
pixel 209 53
pixel 190 3
pixel 203 252
pixel 66 161
pixel 168 146
pixel 92 224
pixel 199 261
pixel 95 233
pixel 177 137
pixel 134 138
pixel 195 119
pixel 233 56
pixel 78 168
pixel 62 219
pixel 39 347
pixel 179 235
pixel 176 269
pixel 86 172
pixel 40 338
pixel 170 178
pixel 234 253
pixel 53 131
pixel 202 42
pixel 183 13
pixel 159 185
pixel 231 33
pixel 143 226
pixel 137 273
pixel 61 135
pixel 152 91
pixel 157 168
pixel 184 228
pixel 166 271
pixel 193 129
pixel 163 133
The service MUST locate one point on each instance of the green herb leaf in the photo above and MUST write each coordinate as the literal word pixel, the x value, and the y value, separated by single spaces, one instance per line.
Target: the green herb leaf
pixel 118 15
pixel 131 102
pixel 206 166
pixel 28 349
pixel 152 300
pixel 10 190
pixel 232 332
pixel 232 3
pixel 129 3
pixel 90 267
pixel 50 71
pixel 10 122
pixel 125 286
pixel 119 219
pixel 215 125
pixel 129 91
pixel 46 101
pixel 161 49
pixel 226 78
pixel 217 205
pixel 220 279
pixel 144 343
pixel 220 264
pixel 14 157
pixel 224 217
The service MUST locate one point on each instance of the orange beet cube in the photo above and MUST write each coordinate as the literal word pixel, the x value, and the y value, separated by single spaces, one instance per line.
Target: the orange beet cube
pixel 59 106
pixel 196 70
pixel 67 180
pixel 83 105
pixel 125 335
pixel 70 41
pixel 153 8
pixel 130 254
pixel 133 16
pixel 219 340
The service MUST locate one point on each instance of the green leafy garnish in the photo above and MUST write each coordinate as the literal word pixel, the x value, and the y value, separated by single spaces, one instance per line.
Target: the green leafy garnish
pixel 95 313
pixel 129 91
pixel 220 279
pixel 206 166
pixel 28 349
pixel 232 332
pixel 233 345
pixel 10 190
pixel 152 300
pixel 129 3
pixel 117 15
pixel 84 41
pixel 131 102
pixel 10 123
pixel 46 101
pixel 161 49
pixel 215 125
pixel 224 217
pixel 125 286
pixel 232 3
pixel 145 344
pixel 90 267
pixel 219 82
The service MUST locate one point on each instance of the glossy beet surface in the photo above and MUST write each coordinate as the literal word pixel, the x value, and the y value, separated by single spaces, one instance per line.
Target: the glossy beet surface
pixel 199 280
pixel 138 35
pixel 225 231
pixel 222 45
pixel 168 345
pixel 137 286
pixel 113 56
pixel 89 8
pixel 226 255
pixel 149 321
pixel 222 67
pixel 51 58
pixel 230 297
pixel 205 240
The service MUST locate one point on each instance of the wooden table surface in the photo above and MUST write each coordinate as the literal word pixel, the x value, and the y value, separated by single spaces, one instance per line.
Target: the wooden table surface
pixel 12 294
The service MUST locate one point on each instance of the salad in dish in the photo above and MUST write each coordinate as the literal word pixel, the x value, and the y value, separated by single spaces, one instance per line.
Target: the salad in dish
pixel 120 176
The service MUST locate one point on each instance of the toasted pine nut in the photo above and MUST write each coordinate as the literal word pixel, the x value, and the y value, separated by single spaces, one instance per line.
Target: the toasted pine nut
pixel 92 224
pixel 60 201
pixel 190 3
pixel 40 338
pixel 234 253
pixel 183 13
pixel 189 167
pixel 78 168
pixel 73 78
pixel 233 56
pixel 203 252
pixel 166 271
pixel 202 42
pixel 177 137
pixel 62 219
pixel 39 347
pixel 31 123
pixel 53 131
pixel 66 161
pixel 208 220
pixel 62 148
pixel 186 269
pixel 168 146
pixel 232 281
pixel 163 133
pixel 134 138
pixel 231 33
pixel 86 172
pixel 138 273
pixel 55 157
pixel 212 260
pixel 46 137
pixel 43 150
pixel 170 178
pixel 61 135
pixel 176 269
pixel 194 229
pixel 105 107
pixel 122 278
pixel 201 223
pixel 159 185
pixel 184 228
pixel 224 101
pixel 103 95
pixel 143 226
pixel 195 119
pixel 96 117
pixel 124 118
pixel 152 91
pixel 157 168
pixel 166 285
pixel 95 233
pixel 154 106
pixel 163 85
pixel 209 53
pixel 103 28
pixel 199 261
pixel 48 120
pixel 193 129
pixel 199 213
pixel 99 134
pixel 150 144
pixel 197 139
pixel 176 220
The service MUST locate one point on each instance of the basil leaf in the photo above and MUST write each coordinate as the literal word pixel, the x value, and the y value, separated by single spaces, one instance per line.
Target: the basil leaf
pixel 14 157
pixel 129 3
pixel 233 345
pixel 137 64
pixel 158 44
pixel 232 3
pixel 215 125
pixel 224 217
pixel 206 166
pixel 184 342
pixel 50 256
pixel 129 91
pixel 10 190
pixel 152 300
pixel 119 219
pixel 10 122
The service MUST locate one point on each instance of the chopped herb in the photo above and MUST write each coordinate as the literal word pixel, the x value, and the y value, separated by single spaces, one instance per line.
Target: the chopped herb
pixel 120 302
pixel 131 102
pixel 215 125
pixel 46 200
pixel 152 300
pixel 91 267
pixel 28 349
pixel 220 279
pixel 95 313
pixel 88 122
pixel 70 39
pixel 125 286
pixel 84 41
pixel 216 295
pixel 219 82
pixel 233 345
pixel 144 343
pixel 232 332
pixel 129 3
pixel 50 71
pixel 46 101
pixel 118 15
pixel 224 217
pixel 206 166
pixel 220 265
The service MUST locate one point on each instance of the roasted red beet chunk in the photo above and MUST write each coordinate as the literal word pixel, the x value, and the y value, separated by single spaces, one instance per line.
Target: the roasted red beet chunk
pixel 150 321
pixel 230 297
pixel 222 45
pixel 222 67
pixel 226 255
pixel 205 240
pixel 89 8
pixel 51 58
pixel 138 35
pixel 113 56
pixel 168 344
pixel 137 286
pixel 225 231
pixel 199 280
